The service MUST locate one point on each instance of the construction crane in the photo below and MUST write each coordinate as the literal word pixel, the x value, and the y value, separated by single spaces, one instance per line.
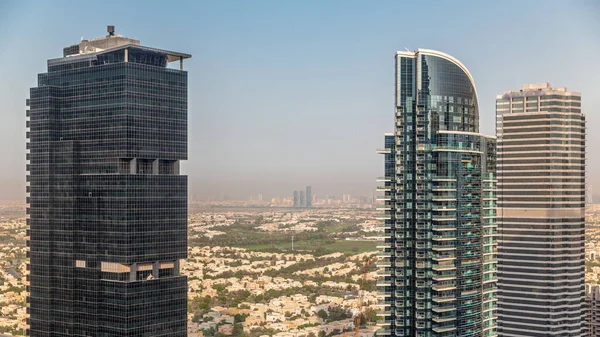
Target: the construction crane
pixel 361 296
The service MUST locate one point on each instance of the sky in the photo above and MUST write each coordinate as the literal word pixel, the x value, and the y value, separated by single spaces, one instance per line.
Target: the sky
pixel 284 94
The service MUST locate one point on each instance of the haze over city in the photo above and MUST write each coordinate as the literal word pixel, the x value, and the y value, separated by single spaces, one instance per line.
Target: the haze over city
pixel 286 94
pixel 299 169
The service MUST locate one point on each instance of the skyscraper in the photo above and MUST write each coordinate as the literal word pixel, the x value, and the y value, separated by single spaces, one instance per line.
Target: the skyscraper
pixel 301 199
pixel 296 199
pixel 541 208
pixel 437 274
pixel 308 196
pixel 592 295
pixel 107 128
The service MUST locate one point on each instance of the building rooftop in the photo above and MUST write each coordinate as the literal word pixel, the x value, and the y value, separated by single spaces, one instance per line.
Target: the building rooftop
pixel 110 42
pixel 538 89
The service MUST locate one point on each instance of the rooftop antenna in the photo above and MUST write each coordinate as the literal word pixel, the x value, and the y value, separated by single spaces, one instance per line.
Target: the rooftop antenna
pixel 407 49
pixel 110 30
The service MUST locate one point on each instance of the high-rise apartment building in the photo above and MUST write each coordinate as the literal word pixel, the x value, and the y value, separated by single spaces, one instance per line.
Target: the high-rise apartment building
pixel 301 199
pixel 541 212
pixel 296 199
pixel 437 275
pixel 309 196
pixel 107 216
pixel 592 296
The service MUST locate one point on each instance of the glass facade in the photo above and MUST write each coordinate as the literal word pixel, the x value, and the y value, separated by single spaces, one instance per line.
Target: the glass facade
pixel 438 268
pixel 107 205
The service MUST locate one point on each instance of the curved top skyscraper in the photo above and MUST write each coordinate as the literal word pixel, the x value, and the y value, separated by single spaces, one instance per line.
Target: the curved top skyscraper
pixel 437 274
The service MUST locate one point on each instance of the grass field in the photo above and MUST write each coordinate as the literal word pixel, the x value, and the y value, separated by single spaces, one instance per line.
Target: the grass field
pixel 354 247
pixel 342 246
pixel 329 238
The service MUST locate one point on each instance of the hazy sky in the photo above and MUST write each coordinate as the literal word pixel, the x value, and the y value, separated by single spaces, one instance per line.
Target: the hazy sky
pixel 288 93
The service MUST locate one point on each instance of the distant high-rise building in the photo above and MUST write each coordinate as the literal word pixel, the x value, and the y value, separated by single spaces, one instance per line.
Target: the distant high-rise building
pixel 259 197
pixel 296 199
pixel 437 276
pixel 107 215
pixel 309 196
pixel 301 198
pixel 541 208
pixel 592 296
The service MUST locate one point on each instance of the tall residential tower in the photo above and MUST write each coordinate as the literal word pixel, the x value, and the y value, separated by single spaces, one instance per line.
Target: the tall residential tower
pixel 107 128
pixel 437 275
pixel 541 209
pixel 309 196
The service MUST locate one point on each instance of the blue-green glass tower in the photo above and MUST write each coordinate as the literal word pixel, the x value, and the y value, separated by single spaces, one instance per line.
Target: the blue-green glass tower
pixel 438 266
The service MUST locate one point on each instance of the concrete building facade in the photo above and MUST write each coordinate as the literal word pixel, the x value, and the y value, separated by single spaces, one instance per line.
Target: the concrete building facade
pixel 541 208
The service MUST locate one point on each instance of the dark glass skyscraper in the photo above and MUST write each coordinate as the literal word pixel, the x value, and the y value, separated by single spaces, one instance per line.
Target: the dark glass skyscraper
pixel 438 267
pixel 107 128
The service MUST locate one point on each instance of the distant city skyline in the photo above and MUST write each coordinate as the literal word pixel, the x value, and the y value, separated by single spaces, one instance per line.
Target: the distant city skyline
pixel 297 92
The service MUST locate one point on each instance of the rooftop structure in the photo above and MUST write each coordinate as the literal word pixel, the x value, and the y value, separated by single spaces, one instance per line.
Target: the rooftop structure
pixel 535 89
pixel 109 43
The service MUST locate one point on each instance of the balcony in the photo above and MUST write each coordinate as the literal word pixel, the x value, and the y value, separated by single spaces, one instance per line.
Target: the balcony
pixel 444 277
pixel 444 306
pixel 443 248
pixel 436 217
pixel 443 267
pixel 384 151
pixel 444 329
pixel 444 258
pixel 442 228
pixel 489 280
pixel 444 287
pixel 444 319
pixel 384 264
pixel 443 238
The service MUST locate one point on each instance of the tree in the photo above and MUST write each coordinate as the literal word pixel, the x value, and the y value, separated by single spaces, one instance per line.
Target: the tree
pixel 238 329
pixel 197 317
pixel 239 318
pixel 371 315
pixel 209 332
pixel 322 314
